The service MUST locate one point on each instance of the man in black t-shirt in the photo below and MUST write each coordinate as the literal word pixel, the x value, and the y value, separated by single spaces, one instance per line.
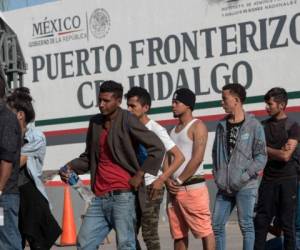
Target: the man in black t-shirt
pixel 278 188
pixel 10 146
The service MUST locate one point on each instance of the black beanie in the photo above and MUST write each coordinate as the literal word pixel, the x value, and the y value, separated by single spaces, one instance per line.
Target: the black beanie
pixel 186 96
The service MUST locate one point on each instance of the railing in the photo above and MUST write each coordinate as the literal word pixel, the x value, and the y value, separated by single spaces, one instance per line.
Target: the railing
pixel 12 63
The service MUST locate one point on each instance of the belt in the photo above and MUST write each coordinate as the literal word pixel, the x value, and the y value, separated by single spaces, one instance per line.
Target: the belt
pixel 193 181
pixel 191 186
pixel 116 192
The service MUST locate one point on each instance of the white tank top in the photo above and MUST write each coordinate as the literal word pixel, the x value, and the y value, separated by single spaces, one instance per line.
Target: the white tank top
pixel 185 144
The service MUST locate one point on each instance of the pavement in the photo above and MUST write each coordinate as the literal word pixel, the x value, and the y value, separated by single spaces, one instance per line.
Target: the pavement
pixel 56 195
pixel 234 239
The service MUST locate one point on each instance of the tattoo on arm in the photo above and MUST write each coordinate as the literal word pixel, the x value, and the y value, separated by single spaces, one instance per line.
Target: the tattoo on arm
pixel 201 140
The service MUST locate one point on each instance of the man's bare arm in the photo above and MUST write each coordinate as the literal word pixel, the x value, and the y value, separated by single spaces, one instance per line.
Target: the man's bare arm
pixel 172 186
pixel 199 137
pixel 175 158
pixel 284 154
pixel 5 172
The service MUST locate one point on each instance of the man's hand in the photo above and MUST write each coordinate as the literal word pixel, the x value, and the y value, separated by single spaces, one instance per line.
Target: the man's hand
pixel 137 179
pixel 289 146
pixel 156 185
pixel 64 175
pixel 172 186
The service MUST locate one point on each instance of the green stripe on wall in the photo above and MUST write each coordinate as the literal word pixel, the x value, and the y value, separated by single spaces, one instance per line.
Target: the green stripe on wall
pixel 63 120
pixel 159 110
pixel 207 166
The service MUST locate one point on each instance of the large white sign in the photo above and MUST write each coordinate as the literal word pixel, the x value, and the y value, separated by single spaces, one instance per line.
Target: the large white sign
pixel 72 46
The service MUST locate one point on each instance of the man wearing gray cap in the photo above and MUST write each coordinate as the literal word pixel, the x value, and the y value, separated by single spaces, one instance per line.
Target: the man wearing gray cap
pixel 188 199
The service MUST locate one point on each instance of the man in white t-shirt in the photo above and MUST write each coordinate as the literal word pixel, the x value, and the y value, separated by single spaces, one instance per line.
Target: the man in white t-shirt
pixel 139 103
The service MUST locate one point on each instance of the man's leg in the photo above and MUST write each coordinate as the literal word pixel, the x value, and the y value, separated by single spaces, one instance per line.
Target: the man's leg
pixel 181 244
pixel 10 237
pixel 245 201
pixel 209 242
pixel 287 211
pixel 138 225
pixel 222 210
pixel 265 211
pixel 150 218
pixel 178 226
pixel 94 227
pixel 124 220
pixel 194 206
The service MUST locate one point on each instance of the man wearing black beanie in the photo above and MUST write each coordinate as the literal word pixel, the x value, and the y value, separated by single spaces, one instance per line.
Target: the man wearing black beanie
pixel 186 96
pixel 188 205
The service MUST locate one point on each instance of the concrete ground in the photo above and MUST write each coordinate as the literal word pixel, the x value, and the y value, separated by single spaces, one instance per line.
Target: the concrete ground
pixel 234 239
pixel 56 195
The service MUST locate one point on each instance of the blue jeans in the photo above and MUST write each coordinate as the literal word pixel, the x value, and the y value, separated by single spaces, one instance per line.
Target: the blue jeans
pixel 244 201
pixel 10 238
pixel 104 214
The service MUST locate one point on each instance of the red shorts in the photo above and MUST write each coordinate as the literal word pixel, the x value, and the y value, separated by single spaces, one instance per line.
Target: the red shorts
pixel 189 209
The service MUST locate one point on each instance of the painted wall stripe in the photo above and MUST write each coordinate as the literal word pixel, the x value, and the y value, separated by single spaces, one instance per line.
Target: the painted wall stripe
pixel 209 118
pixel 159 110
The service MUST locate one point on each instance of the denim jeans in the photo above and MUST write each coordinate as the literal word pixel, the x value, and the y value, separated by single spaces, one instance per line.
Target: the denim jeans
pixel 244 200
pixel 104 214
pixel 10 238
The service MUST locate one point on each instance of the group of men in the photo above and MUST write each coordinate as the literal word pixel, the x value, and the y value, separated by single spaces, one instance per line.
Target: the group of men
pixel 243 147
pixel 131 158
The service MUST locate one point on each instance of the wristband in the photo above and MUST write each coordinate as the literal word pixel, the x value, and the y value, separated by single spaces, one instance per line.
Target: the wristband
pixel 179 181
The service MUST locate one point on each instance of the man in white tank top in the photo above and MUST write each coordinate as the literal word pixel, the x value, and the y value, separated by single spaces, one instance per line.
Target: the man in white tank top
pixel 188 204
pixel 139 103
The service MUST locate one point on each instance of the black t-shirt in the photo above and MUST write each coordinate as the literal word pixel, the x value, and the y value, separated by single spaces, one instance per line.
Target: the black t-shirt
pixel 10 146
pixel 232 134
pixel 278 132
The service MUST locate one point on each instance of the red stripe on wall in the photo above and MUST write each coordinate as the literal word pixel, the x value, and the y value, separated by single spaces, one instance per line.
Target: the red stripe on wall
pixel 169 122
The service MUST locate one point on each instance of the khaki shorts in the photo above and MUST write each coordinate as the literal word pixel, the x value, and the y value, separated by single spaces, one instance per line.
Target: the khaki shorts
pixel 189 209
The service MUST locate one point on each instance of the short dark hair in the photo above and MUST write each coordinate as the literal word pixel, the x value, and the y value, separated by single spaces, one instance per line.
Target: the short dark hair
pixel 141 93
pixel 279 95
pixel 236 89
pixel 112 87
pixel 21 100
